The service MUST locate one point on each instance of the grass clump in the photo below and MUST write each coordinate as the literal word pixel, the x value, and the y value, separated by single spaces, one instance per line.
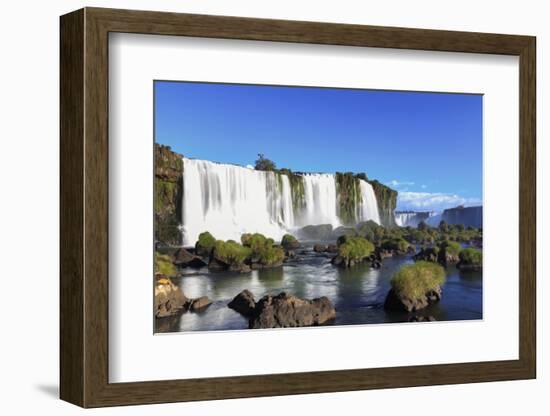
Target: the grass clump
pixel 231 252
pixel 413 281
pixel 205 244
pixel 262 248
pixel 471 256
pixel 395 244
pixel 270 256
pixel 164 265
pixel 450 248
pixel 355 248
pixel 256 241
pixel 289 241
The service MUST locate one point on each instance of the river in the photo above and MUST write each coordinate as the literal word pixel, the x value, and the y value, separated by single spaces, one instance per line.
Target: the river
pixel 357 293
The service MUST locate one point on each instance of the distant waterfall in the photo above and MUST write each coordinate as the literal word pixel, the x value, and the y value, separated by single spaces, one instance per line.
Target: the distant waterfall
pixel 229 200
pixel 411 218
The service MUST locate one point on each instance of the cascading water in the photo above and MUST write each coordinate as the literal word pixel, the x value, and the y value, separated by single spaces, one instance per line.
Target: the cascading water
pixel 411 218
pixel 320 201
pixel 368 208
pixel 229 200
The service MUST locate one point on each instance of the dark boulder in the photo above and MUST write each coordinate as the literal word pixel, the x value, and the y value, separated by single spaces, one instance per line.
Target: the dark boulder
pixel 337 260
pixel 199 303
pixel 395 301
pixel 332 248
pixel 319 248
pixel 315 232
pixel 284 311
pixel 289 242
pixel 243 303
pixel 183 258
pixel 340 231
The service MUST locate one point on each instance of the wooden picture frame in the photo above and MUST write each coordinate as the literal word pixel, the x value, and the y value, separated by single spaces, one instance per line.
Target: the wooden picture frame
pixel 84 207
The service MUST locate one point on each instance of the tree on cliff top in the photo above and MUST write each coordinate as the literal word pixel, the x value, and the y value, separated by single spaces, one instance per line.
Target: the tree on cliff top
pixel 263 163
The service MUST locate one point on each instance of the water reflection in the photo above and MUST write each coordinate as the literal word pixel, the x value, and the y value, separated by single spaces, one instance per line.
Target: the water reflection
pixel 358 293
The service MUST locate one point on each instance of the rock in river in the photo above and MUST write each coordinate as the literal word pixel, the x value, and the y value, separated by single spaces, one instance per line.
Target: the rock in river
pixel 284 311
pixel 169 299
pixel 403 303
pixel 243 303
pixel 319 248
pixel 199 303
pixel 184 258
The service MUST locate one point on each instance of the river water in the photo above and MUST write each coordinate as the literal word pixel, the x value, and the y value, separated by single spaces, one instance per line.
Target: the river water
pixel 357 293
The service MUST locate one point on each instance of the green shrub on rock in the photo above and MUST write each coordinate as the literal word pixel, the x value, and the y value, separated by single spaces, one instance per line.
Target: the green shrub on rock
pixel 256 241
pixel 271 256
pixel 471 256
pixel 413 281
pixel 289 242
pixel 205 244
pixel 448 252
pixel 164 265
pixel 263 250
pixel 470 259
pixel 354 250
pixel 428 254
pixel 231 252
pixel 395 244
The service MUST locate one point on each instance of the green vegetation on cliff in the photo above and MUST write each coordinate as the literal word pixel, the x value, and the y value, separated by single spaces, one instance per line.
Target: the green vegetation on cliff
pixel 415 280
pixel 349 196
pixel 348 192
pixel 387 201
pixel 168 195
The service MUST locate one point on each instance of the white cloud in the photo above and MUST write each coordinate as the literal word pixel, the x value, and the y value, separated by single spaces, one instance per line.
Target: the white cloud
pixel 423 186
pixel 426 201
pixel 396 184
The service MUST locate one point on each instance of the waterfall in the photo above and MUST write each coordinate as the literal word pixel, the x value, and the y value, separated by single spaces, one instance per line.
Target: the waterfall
pixel 368 207
pixel 411 218
pixel 321 203
pixel 229 200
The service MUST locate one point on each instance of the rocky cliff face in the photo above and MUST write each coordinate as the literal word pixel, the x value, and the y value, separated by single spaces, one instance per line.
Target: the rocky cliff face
pixel 168 195
pixel 387 201
pixel 467 216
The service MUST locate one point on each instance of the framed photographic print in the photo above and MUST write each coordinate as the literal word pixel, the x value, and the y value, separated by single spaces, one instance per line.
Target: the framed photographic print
pixel 276 207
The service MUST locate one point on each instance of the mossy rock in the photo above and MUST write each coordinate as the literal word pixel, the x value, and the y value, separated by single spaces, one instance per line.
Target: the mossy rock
pixel 470 259
pixel 262 250
pixel 271 256
pixel 168 194
pixel 398 245
pixel 415 286
pixel 428 254
pixel 230 252
pixel 205 244
pixel 449 252
pixel 353 250
pixel 290 242
pixel 164 265
pixel 316 232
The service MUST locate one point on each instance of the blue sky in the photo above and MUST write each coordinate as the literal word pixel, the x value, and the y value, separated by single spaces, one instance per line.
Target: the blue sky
pixel 428 146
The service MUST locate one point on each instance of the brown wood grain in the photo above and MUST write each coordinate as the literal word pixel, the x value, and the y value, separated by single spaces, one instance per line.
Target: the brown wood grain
pixel 84 207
